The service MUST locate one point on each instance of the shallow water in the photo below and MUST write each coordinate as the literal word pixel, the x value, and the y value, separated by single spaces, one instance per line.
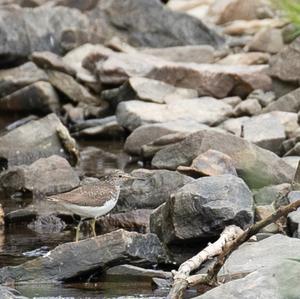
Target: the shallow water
pixel 18 243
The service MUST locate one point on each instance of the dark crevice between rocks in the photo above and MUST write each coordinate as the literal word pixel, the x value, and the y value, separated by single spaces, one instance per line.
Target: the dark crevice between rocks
pixel 9 61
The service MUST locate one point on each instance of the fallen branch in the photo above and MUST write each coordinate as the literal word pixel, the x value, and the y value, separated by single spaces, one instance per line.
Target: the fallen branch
pixel 181 276
pixel 182 280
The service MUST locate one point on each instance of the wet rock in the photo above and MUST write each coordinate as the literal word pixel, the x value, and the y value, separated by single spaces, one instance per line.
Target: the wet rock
pixel 253 256
pixel 247 107
pixel 48 60
pixel 39 96
pixel 107 127
pixel 268 40
pixel 284 65
pixel 265 131
pixel 289 102
pixel 201 209
pixel 210 79
pixel 135 220
pixel 205 110
pixel 146 134
pixel 47 224
pixel 257 166
pixel 39 29
pixel 147 90
pixel 210 163
pixel 241 27
pixel 152 191
pixel 195 54
pixel 224 11
pixel 130 270
pixel 245 59
pixel 34 140
pixel 46 176
pixel 275 282
pixel 18 77
pixel 150 24
pixel 271 194
pixel 95 254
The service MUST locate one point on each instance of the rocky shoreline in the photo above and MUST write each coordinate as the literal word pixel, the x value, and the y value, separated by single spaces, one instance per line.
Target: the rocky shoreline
pixel 204 94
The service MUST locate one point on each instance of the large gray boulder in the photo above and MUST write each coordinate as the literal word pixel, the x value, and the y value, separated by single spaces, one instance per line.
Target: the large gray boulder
pixel 257 166
pixel 36 139
pixel 47 176
pixel 202 209
pixel 149 193
pixel 277 282
pixel 70 260
pixel 24 31
pixel 205 110
pixel 9 293
pixel 146 23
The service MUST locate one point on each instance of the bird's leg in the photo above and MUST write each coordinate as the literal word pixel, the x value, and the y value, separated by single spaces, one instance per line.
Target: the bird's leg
pixel 78 231
pixel 93 224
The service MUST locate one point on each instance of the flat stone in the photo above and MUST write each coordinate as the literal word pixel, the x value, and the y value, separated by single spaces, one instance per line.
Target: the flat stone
pixel 34 140
pixel 268 40
pixel 130 270
pixel 279 281
pixel 210 163
pixel 292 160
pixel 147 90
pixel 202 209
pixel 18 77
pixel 46 176
pixel 134 220
pixel 271 194
pixel 205 110
pixel 265 131
pixel 209 79
pixel 284 65
pixel 253 256
pixel 146 134
pixel 234 125
pixel 289 102
pixel 247 107
pixel 48 60
pixel 196 54
pixel 39 96
pixel 257 166
pixel 264 98
pixel 150 24
pixel 252 58
pixel 152 191
pixel 63 262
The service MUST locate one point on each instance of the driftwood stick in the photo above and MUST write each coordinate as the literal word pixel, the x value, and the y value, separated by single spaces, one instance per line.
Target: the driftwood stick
pixel 181 276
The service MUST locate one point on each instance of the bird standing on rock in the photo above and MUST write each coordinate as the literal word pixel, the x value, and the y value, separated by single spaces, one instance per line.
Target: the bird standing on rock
pixel 93 200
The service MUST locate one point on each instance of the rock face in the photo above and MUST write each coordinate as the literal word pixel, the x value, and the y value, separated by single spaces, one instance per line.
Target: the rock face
pixel 34 140
pixel 266 253
pixel 258 167
pixel 47 176
pixel 96 253
pixel 276 282
pixel 151 192
pixel 146 134
pixel 9 293
pixel 201 209
pixel 149 24
pixel 40 29
pixel 266 131
pixel 133 114
pixel 284 65
pixel 210 80
pixel 39 96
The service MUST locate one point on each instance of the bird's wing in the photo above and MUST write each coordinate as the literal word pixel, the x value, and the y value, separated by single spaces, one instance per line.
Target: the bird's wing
pixel 87 195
